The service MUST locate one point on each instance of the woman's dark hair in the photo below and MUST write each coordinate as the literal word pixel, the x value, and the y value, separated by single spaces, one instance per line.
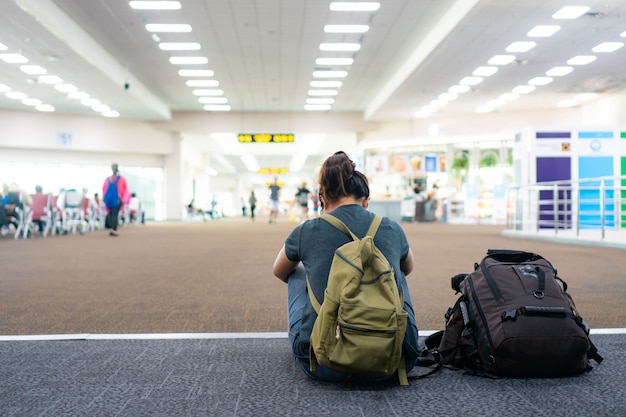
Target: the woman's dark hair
pixel 339 178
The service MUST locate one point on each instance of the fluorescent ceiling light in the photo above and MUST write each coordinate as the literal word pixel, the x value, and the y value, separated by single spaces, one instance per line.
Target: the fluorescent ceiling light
pixel 496 103
pixel 90 102
pixel 168 27
pixel 154 5
pixel 623 35
pixel 78 95
pixel 326 93
pixel 438 103
pixel 607 47
pixel 448 96
pixel 16 95
pixel 559 71
pixel 203 83
pixel 3 47
pixel 581 60
pixel 585 96
pixel 297 162
pixel 320 100
pixel 179 46
pixel 4 88
pixel 522 46
pixel 485 71
pixel 484 109
pixel 459 89
pixel 430 109
pixel 334 61
pixel 49 79
pixel 101 108
pixel 421 114
pixel 330 74
pixel 45 108
pixel 33 69
pixel 212 100
pixel 250 162
pixel 509 96
pixel 543 31
pixel 66 88
pixel 195 73
pixel 570 12
pixel 31 101
pixel 524 89
pixel 317 107
pixel 345 6
pixel 567 103
pixel 14 58
pixel 326 83
pixel 340 47
pixel 208 92
pixel 501 59
pixel 346 28
pixel 471 81
pixel 216 107
pixel 541 81
pixel 110 113
pixel 188 60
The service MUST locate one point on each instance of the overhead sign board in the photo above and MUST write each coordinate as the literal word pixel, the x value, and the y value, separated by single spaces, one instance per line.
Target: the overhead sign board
pixel 265 137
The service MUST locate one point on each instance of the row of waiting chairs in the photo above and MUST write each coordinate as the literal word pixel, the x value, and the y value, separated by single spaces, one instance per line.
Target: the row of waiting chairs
pixel 69 212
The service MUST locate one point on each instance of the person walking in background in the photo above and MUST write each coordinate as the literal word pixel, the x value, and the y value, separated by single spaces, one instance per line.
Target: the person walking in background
pixel 274 194
pixel 309 249
pixel 303 201
pixel 115 194
pixel 316 203
pixel 252 202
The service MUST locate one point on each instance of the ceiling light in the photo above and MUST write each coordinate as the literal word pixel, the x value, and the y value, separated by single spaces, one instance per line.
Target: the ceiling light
pixel 509 96
pixel 484 109
pixel 168 27
pixel 154 5
pixel 523 46
pixel 485 71
pixel 345 6
pixel 208 92
pixel 448 96
pixel 326 83
pixel 471 81
pixel 16 95
pixel 421 114
pixel 188 60
pixel 14 58
pixel 33 69
pixel 322 92
pixel 203 83
pixel 581 60
pixel 567 103
pixel 45 108
pixel 179 46
pixel 496 103
pixel 623 35
pixel 559 71
pixel 334 61
pixel 524 89
pixel 459 89
pixel 4 88
pixel 541 81
pixel 501 59
pixel 317 107
pixel 195 73
pixel 585 96
pixel 330 74
pixel 438 103
pixel 3 47
pixel 49 79
pixel 31 101
pixel 78 95
pixel 607 47
pixel 66 88
pixel 320 100
pixel 250 162
pixel 340 47
pixel 90 102
pixel 100 108
pixel 543 31
pixel 346 28
pixel 216 107
pixel 430 109
pixel 110 113
pixel 297 162
pixel 213 100
pixel 570 12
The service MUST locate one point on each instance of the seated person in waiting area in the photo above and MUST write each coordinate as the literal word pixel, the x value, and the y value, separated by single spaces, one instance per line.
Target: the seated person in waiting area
pixel 309 249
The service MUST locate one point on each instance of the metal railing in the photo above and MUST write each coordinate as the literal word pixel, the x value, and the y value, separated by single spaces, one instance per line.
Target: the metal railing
pixel 575 205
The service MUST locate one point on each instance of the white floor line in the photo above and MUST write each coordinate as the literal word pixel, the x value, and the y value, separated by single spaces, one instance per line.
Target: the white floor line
pixel 179 336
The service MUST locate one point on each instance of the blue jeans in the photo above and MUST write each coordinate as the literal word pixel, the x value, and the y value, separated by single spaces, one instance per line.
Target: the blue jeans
pixel 297 299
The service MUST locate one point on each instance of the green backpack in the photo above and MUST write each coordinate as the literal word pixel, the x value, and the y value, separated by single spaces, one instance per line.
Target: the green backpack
pixel 361 323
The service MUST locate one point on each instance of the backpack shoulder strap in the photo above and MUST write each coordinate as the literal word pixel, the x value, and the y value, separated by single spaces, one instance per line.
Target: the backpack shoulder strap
pixel 314 301
pixel 374 226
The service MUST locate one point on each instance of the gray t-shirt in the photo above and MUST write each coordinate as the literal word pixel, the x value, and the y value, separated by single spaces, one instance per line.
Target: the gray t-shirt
pixel 314 243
